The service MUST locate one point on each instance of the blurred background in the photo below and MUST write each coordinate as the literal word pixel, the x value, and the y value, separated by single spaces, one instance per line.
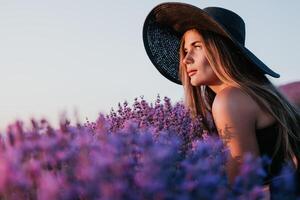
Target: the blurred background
pixel 79 58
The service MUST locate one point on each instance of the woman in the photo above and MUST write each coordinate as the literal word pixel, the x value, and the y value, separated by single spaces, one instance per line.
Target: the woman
pixel 204 50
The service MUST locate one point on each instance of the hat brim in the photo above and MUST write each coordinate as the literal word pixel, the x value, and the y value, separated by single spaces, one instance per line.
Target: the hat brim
pixel 164 27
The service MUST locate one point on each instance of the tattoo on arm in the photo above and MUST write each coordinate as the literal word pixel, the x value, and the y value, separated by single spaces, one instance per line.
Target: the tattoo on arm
pixel 225 134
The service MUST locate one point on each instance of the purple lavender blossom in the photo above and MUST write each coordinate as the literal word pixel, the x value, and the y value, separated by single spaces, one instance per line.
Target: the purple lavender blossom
pixel 144 152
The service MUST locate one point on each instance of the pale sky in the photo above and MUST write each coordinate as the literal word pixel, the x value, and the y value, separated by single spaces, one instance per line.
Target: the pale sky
pixel 64 55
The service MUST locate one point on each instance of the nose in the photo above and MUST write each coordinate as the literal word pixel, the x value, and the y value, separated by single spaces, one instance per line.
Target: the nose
pixel 188 59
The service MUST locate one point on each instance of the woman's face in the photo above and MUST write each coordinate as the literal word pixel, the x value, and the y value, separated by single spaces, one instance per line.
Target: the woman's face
pixel 197 65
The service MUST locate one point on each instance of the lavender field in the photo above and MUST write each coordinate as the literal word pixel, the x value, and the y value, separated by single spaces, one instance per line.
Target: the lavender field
pixel 143 151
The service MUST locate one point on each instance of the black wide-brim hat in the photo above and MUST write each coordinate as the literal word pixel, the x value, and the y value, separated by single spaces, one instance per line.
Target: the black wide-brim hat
pixel 167 22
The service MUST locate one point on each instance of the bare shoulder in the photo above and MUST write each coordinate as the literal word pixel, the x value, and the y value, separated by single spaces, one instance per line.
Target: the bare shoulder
pixel 234 99
pixel 234 105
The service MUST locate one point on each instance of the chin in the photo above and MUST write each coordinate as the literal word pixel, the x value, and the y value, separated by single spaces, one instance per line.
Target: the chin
pixel 196 83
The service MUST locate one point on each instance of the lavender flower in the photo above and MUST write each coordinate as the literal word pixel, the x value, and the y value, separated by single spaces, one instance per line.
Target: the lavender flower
pixel 144 152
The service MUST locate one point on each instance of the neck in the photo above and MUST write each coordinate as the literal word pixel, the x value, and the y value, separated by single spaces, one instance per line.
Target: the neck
pixel 218 87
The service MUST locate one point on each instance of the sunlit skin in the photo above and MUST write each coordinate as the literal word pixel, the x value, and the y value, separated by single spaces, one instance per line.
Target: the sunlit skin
pixel 195 59
pixel 236 123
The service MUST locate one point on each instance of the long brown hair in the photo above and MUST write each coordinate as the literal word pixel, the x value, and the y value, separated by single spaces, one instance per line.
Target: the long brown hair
pixel 234 69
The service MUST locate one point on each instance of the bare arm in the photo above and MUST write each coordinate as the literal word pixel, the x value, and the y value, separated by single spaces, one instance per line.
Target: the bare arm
pixel 234 114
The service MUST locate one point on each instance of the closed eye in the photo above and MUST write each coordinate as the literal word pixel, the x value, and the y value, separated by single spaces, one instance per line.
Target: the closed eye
pixel 198 46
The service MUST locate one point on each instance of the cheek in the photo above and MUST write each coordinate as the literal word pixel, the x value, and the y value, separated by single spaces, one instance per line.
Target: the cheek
pixel 205 62
pixel 206 66
pixel 201 61
pixel 206 75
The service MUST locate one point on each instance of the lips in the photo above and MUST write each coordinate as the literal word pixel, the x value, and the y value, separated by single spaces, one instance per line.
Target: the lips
pixel 192 72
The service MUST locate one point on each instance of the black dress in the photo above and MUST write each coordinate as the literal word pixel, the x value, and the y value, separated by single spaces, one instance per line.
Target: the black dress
pixel 266 139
